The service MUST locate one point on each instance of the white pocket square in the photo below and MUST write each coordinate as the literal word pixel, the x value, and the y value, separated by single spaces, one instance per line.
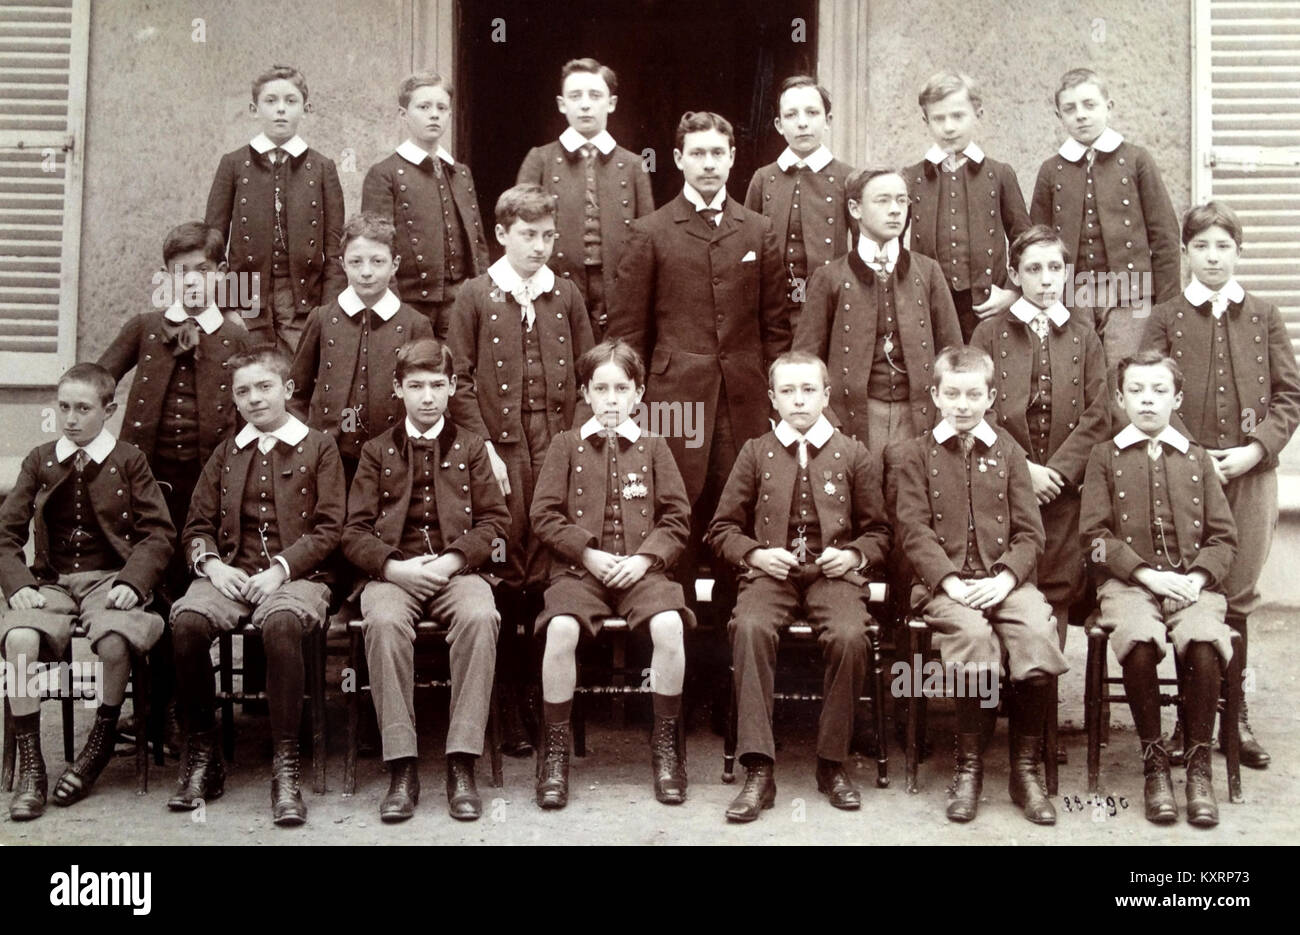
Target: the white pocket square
pixel 749 257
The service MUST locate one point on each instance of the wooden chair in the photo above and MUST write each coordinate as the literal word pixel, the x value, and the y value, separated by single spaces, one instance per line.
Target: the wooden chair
pixel 227 696
pixel 919 638
pixel 137 691
pixel 806 687
pixel 1101 689
pixel 428 635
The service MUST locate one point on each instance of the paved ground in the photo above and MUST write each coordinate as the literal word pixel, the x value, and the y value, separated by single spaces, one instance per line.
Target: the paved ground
pixel 612 803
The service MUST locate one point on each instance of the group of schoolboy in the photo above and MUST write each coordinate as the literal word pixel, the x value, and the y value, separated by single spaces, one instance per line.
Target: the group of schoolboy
pixel 469 437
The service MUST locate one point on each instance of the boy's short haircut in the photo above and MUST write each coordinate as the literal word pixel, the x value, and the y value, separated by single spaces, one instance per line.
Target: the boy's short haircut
pixel 524 202
pixel 590 66
pixel 945 83
pixel 194 235
pixel 804 81
pixel 280 73
pixel 697 121
pixel 611 351
pixel 1077 76
pixel 857 181
pixel 796 358
pixel 371 226
pixel 265 355
pixel 963 358
pixel 1149 358
pixel 421 79
pixel 93 375
pixel 1038 234
pixel 1211 214
pixel 424 354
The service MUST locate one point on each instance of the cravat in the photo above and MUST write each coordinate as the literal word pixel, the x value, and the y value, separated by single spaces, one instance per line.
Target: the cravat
pixel 1153 449
pixel 183 334
pixel 79 460
pixel 1218 304
pixel 588 152
pixel 1039 324
pixel 437 166
pixel 710 215
pixel 953 162
pixel 1091 156
pixel 967 442
pixel 266 443
pixel 524 293
pixel 422 444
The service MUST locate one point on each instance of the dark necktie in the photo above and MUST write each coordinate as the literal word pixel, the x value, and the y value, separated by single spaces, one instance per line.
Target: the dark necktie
pixel 967 442
pixel 79 460
pixel 437 166
pixel 183 334
pixel 422 444
pixel 709 214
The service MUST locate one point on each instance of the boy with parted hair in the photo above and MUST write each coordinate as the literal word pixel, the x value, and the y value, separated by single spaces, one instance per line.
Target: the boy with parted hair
pixel 102 542
pixel 599 186
pixel 279 207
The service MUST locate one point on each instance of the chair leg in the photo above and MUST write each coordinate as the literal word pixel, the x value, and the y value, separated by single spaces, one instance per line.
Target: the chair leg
pixel 1229 722
pixel 66 703
pixel 878 706
pixel 315 658
pixel 1050 765
pixel 912 759
pixel 10 749
pixel 1105 702
pixel 354 713
pixel 578 717
pixel 140 689
pixel 494 740
pixel 731 729
pixel 226 649
pixel 1093 687
pixel 618 667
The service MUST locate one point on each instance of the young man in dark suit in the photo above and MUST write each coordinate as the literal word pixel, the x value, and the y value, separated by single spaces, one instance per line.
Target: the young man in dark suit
pixel 701 296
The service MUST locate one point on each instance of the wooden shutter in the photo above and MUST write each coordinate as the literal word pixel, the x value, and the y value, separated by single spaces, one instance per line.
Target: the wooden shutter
pixel 43 58
pixel 1248 137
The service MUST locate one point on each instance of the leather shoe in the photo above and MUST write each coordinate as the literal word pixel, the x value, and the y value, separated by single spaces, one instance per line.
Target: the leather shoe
pixel 1202 809
pixel 30 783
pixel 1252 754
pixel 463 802
pixel 1158 791
pixel 668 761
pixel 1026 781
pixel 403 790
pixel 76 781
pixel 834 781
pixel 758 793
pixel 967 779
pixel 287 807
pixel 553 766
pixel 203 776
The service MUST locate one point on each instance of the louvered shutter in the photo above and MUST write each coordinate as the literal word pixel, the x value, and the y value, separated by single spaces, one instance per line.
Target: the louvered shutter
pixel 43 58
pixel 1249 62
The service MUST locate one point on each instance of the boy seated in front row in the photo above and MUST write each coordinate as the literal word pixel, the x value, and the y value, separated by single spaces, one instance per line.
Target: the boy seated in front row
pixel 611 546
pixel 103 541
pixel 803 513
pixel 969 525
pixel 424 514
pixel 1162 553
pixel 341 367
pixel 267 512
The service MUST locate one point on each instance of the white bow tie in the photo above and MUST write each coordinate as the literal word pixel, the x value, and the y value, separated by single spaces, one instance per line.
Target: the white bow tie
pixel 265 443
pixel 524 293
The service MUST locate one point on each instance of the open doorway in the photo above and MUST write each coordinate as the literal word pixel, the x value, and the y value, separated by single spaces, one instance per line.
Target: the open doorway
pixel 671 56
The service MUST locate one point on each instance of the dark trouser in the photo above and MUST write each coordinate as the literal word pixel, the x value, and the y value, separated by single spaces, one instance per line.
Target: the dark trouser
pixel 838 611
pixel 593 293
pixel 177 480
pixel 966 317
pixel 438 312
pixel 192 636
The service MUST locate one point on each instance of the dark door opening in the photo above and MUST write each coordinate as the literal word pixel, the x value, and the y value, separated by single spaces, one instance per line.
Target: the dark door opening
pixel 671 56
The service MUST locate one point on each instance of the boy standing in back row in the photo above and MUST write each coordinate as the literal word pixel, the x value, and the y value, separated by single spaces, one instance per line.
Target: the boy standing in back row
pixel 599 186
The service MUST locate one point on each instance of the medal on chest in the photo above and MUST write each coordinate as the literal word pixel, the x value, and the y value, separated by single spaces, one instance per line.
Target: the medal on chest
pixel 634 488
pixel 829 487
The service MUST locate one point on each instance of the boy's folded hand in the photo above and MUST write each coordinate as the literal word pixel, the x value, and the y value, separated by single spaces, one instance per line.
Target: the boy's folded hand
pixel 228 581
pixel 775 563
pixel 836 563
pixel 27 599
pixel 122 597
pixel 629 571
pixel 259 587
pixel 990 592
pixel 602 565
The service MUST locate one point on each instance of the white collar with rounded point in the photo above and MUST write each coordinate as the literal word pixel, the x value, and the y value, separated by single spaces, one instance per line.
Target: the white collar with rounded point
pixel 209 319
pixel 1131 435
pixel 818 435
pixel 1108 142
pixel 413 431
pixel 99 447
pixel 262 144
pixel 415 155
pixel 508 280
pixel 817 160
pixel 627 428
pixel 1198 293
pixel 984 432
pixel 573 141
pixel 1027 311
pixel 869 250
pixel 937 155
pixel 385 308
pixel 291 433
